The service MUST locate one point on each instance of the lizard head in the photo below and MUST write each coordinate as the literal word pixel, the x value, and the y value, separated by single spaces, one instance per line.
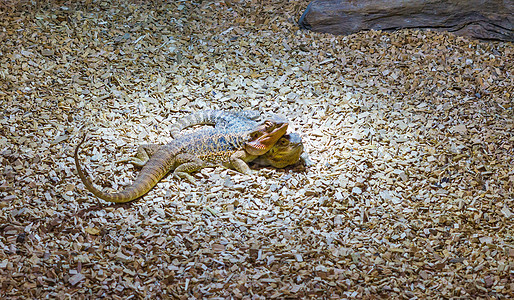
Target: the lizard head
pixel 265 135
pixel 284 153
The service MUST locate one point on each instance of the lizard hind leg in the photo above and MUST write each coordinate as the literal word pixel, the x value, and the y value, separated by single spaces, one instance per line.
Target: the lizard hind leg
pixel 187 165
pixel 144 152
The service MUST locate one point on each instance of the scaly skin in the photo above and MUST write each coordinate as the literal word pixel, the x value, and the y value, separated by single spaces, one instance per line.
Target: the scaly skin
pixel 287 151
pixel 189 153
pixel 241 120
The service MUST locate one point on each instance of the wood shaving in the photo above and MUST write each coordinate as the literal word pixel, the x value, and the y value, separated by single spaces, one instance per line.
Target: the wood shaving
pixel 411 135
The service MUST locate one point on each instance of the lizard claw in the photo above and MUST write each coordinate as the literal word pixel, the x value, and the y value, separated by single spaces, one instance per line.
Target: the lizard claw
pixel 250 172
pixel 133 160
pixel 186 176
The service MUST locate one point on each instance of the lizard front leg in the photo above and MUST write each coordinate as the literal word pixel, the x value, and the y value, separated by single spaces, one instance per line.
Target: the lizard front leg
pixel 144 152
pixel 238 161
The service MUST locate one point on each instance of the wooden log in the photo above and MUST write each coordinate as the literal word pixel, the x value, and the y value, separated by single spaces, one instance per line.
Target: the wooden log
pixel 483 19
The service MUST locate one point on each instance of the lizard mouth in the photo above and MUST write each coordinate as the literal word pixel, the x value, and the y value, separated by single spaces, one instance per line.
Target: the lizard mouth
pixel 262 144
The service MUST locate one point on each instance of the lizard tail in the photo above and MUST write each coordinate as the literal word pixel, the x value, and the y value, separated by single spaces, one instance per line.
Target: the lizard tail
pixel 130 194
pixel 206 117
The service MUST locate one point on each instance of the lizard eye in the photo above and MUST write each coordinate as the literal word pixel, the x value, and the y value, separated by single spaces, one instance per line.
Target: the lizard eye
pixel 282 142
pixel 268 123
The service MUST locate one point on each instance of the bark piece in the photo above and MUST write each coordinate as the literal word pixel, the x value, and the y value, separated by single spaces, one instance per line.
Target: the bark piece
pixel 481 19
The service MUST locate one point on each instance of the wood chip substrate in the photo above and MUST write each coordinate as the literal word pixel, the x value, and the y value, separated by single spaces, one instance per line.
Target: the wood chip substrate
pixel 411 133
